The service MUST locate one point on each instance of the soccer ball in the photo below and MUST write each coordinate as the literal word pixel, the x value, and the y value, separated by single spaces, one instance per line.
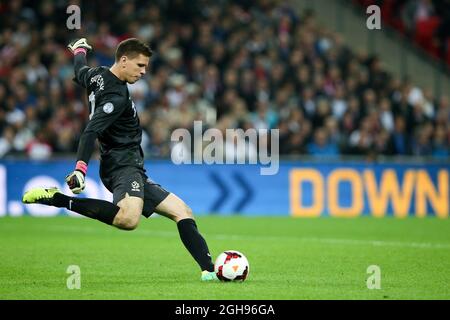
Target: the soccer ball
pixel 231 265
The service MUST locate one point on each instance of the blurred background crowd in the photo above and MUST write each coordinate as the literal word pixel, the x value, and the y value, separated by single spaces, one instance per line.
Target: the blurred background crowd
pixel 425 22
pixel 231 64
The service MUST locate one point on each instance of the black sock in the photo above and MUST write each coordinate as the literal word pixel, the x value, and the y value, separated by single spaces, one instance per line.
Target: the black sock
pixel 195 243
pixel 101 210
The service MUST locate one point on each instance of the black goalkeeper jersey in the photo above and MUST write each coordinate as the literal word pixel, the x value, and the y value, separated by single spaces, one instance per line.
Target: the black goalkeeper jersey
pixel 113 118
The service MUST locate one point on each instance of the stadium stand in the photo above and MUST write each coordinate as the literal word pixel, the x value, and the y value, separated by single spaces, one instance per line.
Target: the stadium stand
pixel 225 64
pixel 426 22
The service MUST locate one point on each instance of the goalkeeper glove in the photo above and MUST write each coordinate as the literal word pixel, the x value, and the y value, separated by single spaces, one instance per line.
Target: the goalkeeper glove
pixel 76 180
pixel 79 45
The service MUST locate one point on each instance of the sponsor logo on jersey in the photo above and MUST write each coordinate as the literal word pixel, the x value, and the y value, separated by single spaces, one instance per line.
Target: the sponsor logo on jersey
pixel 99 81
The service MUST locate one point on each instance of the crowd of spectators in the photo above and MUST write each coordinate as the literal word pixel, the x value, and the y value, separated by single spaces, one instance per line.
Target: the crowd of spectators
pixel 231 64
pixel 425 22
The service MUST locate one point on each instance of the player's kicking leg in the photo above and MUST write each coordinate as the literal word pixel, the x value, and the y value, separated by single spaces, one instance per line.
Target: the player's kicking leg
pixel 125 215
pixel 175 209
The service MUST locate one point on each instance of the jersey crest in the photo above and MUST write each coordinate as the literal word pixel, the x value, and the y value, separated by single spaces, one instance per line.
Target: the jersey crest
pixel 108 107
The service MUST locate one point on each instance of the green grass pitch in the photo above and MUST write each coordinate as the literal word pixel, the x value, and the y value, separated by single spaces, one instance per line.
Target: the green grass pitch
pixel 291 259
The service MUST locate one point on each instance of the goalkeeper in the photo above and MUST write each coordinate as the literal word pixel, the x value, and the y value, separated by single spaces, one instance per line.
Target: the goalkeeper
pixel 114 122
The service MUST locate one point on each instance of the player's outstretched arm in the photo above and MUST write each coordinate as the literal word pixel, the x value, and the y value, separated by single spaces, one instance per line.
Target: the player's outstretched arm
pixel 79 49
pixel 76 179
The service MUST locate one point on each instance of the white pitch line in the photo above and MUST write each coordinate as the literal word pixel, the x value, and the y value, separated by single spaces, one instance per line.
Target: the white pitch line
pixel 332 241
pixel 380 243
pixel 336 241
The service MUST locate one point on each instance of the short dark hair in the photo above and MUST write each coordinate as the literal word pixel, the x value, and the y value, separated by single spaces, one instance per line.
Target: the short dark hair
pixel 131 48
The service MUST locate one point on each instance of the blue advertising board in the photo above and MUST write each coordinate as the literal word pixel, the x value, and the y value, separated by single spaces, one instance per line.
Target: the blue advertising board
pixel 300 189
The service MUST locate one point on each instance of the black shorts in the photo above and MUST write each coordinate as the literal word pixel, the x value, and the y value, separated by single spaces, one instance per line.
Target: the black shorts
pixel 135 182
